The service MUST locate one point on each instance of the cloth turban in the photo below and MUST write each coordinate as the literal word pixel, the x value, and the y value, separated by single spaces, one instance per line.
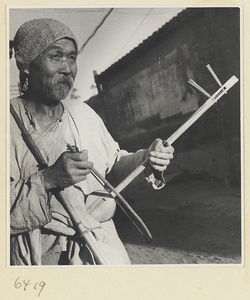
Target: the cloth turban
pixel 35 36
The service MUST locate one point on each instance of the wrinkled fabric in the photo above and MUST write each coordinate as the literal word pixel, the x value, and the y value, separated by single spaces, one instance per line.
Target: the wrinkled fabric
pixel 35 36
pixel 39 225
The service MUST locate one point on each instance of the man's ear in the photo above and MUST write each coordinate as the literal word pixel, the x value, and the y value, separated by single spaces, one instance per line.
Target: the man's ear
pixel 24 80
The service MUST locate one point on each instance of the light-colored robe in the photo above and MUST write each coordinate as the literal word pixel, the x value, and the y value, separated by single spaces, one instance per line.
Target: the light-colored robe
pixel 39 225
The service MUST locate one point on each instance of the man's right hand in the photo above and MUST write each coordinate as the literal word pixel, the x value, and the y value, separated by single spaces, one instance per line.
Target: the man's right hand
pixel 70 168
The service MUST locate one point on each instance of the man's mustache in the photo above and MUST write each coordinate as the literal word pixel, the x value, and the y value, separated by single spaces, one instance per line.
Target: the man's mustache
pixel 69 80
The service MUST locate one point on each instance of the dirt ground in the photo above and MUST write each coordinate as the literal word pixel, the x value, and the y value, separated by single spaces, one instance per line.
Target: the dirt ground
pixel 192 221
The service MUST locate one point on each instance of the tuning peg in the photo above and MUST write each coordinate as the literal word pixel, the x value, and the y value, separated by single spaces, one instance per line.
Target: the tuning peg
pixel 199 88
pixel 213 74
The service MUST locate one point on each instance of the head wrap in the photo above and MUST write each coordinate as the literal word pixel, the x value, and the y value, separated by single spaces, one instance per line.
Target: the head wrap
pixel 35 36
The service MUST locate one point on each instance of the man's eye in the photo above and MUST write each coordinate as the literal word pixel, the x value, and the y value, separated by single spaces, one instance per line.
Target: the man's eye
pixel 56 57
pixel 72 58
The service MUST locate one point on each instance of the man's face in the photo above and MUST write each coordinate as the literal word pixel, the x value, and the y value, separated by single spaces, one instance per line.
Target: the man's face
pixel 52 74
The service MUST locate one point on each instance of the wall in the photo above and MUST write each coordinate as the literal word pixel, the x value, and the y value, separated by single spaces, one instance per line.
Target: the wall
pixel 146 94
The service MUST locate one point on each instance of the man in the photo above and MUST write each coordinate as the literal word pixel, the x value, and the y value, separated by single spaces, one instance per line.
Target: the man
pixel 41 230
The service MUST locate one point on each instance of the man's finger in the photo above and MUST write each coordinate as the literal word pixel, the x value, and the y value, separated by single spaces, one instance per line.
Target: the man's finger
pixel 160 162
pixel 79 156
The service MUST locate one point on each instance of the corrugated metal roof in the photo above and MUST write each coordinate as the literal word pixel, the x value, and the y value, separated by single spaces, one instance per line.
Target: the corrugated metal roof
pixel 167 29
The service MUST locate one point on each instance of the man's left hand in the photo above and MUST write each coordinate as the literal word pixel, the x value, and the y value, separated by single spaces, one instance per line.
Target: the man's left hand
pixel 159 155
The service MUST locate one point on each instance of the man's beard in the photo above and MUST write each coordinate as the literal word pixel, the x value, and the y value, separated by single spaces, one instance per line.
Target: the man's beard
pixel 54 90
pixel 58 89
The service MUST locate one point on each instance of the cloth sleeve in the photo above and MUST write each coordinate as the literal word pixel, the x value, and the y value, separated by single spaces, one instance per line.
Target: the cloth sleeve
pixel 29 204
pixel 127 162
pixel 121 163
pixel 109 159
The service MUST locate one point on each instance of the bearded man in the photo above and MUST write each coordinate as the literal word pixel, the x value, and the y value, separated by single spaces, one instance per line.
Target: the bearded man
pixel 42 232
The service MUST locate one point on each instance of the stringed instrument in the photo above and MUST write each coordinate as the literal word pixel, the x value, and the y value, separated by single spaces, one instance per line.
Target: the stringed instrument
pixel 102 204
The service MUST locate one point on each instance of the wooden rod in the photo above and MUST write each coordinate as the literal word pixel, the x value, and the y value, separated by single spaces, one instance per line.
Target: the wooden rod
pixel 28 139
pixel 84 232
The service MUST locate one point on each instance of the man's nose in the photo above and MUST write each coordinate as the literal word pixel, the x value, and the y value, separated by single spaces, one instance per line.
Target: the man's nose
pixel 65 67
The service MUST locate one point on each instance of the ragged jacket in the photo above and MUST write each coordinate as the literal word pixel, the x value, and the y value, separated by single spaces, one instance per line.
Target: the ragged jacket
pixel 39 225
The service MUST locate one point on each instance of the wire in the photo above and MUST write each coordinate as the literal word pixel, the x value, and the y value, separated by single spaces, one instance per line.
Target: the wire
pixel 129 11
pixel 95 31
pixel 134 33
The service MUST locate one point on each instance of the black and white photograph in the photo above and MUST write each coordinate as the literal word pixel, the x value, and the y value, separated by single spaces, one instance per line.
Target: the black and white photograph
pixel 124 150
pixel 125 128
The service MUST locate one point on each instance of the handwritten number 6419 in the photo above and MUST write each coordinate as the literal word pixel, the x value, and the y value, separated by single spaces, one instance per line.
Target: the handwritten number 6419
pixel 25 283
